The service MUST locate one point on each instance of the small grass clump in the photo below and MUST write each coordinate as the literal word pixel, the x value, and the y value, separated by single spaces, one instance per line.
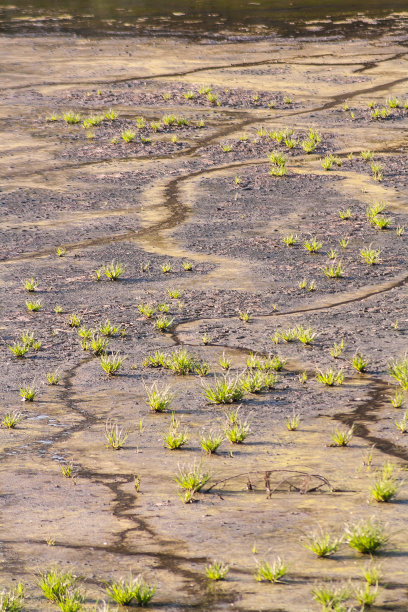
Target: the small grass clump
pixel 305 335
pixel 11 420
pixel 216 570
pixel 402 425
pixel 147 310
pixel 290 239
pixel 158 400
pixel 115 436
pixel 174 438
pixel 12 600
pixel 19 350
pixel 237 432
pixel 128 135
pixel 30 285
pixel 367 537
pixel 385 487
pixel 397 400
pixel 322 543
pixel 163 323
pixel 293 422
pixel 330 377
pixel 398 369
pixel 34 306
pixel 271 572
pixel 108 329
pixel 337 349
pixel 359 362
pixel 124 591
pixel 71 117
pixel 365 595
pixel 224 391
pixel 210 442
pixel 28 393
pixel 312 245
pixel 191 480
pixel 345 214
pixel 158 360
pixel 277 158
pixel 67 470
pixel 98 344
pixel 56 584
pixel 113 270
pixel 342 437
pixel 258 381
pixel 370 256
pixel 53 378
pixel 331 597
pixel 181 362
pixel 244 316
pixel 333 270
pixel 372 574
pixel 74 320
pixel 111 363
pixel 224 362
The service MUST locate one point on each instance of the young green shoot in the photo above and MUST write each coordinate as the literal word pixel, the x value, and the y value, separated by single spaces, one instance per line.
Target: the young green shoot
pixel 366 536
pixel 210 442
pixel 313 245
pixel 174 438
pixel 128 135
pixel 115 435
pixel 293 422
pixel 398 399
pixel 398 369
pixel 402 425
pixel 225 391
pixel 330 377
pixel 11 419
pixel 337 349
pixel 333 270
pixel 111 363
pixel 158 400
pixel 19 350
pixel 271 571
pixel 385 487
pixel 345 214
pixel 124 591
pixel 28 393
pixel 290 239
pixel 342 437
pixel 113 270
pixel 34 306
pixel 237 432
pixel 322 544
pixel 224 362
pixel 359 362
pixel 53 378
pixel 216 570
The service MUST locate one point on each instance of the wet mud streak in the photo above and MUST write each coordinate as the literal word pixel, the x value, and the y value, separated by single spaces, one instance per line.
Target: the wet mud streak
pixel 165 75
pixel 365 413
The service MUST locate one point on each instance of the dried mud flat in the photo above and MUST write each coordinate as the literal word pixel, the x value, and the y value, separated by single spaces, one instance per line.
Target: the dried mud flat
pixel 181 196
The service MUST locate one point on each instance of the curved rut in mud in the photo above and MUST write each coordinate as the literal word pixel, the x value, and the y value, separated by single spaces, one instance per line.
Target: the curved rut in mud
pixel 271 61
